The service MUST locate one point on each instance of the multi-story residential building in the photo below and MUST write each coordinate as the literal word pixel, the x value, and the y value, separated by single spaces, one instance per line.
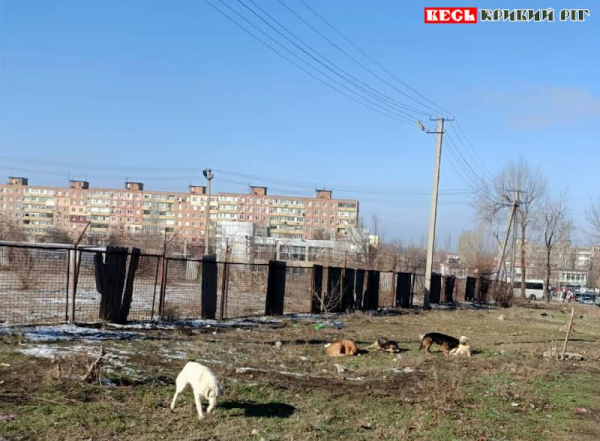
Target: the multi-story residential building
pixel 134 210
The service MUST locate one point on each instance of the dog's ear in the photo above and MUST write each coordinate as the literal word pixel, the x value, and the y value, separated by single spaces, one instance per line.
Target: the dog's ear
pixel 210 392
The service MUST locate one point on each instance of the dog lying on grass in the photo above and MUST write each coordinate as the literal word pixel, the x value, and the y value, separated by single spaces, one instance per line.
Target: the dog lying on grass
pixel 341 348
pixel 203 382
pixel 383 344
pixel 445 341
pixel 464 347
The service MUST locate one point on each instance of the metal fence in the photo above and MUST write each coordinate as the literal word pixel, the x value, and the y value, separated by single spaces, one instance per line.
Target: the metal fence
pixel 50 284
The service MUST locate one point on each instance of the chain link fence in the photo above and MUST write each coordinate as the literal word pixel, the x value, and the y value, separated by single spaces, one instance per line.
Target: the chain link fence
pixel 51 285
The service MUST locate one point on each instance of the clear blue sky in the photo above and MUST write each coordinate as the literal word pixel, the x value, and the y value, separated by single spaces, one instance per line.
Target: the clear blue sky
pixel 152 90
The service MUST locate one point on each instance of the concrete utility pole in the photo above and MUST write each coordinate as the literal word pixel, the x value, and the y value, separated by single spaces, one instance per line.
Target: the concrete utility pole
pixel 509 225
pixel 433 210
pixel 208 174
pixel 516 200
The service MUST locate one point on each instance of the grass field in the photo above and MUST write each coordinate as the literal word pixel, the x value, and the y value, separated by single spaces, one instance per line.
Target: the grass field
pixel 507 390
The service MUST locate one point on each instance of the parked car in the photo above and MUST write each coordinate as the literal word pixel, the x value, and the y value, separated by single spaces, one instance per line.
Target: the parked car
pixel 587 298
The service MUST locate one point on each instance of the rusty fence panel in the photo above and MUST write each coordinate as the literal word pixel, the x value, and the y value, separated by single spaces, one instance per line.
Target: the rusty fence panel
pixel 33 285
pixel 183 289
pixel 298 290
pixel 246 289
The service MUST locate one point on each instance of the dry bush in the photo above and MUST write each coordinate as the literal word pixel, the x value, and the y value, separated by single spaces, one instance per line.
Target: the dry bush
pixel 22 263
pixel 503 295
pixel 171 313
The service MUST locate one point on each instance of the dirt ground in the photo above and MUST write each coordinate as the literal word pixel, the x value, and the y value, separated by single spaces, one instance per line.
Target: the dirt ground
pixel 291 391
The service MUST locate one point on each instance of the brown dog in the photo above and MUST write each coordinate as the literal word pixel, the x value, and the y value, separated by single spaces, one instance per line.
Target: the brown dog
pixel 383 344
pixel 341 348
pixel 445 341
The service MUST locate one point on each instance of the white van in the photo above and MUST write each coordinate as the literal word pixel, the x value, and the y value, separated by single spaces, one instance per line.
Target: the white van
pixel 534 289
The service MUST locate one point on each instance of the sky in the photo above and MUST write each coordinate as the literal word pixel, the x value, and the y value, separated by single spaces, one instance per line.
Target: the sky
pixel 157 91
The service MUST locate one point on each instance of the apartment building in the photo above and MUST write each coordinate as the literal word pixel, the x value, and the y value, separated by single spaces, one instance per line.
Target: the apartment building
pixel 132 210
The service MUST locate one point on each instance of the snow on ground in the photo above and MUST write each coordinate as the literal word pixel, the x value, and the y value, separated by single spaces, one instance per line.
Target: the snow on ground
pixel 50 350
pixel 69 333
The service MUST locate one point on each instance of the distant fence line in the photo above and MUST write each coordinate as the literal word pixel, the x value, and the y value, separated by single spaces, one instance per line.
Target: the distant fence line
pixel 54 284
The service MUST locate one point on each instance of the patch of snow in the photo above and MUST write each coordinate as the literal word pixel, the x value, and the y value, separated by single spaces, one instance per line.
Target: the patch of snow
pixel 69 332
pixel 50 351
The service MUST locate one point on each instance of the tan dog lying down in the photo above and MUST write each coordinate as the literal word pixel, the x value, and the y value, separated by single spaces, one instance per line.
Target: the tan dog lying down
pixel 341 348
pixel 464 348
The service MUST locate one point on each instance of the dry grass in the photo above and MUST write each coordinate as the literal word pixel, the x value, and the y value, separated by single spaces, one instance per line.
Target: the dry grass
pixel 506 391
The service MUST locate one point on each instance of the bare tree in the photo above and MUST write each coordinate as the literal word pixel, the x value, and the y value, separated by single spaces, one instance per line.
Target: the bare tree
pixel 492 203
pixel 476 249
pixel 10 233
pixel 364 251
pixel 555 228
pixel 593 218
pixel 320 234
pixel 57 235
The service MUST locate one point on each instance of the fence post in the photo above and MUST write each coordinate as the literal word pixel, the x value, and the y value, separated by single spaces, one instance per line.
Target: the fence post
pixel 274 302
pixel 73 258
pixel 72 282
pixel 163 287
pixel 155 283
pixel 224 285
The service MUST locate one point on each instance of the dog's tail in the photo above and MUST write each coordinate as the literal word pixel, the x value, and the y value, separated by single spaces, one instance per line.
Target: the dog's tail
pixel 421 337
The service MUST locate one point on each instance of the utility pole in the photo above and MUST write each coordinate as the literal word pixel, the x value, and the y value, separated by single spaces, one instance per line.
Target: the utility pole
pixel 509 225
pixel 515 203
pixel 514 243
pixel 433 210
pixel 208 174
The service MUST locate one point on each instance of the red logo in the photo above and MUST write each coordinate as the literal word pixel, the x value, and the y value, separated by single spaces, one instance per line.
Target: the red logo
pixel 451 15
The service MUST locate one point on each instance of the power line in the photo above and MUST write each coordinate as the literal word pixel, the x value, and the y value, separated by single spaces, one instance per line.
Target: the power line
pixel 470 150
pixel 344 75
pixel 364 190
pixel 353 59
pixel 476 178
pixel 130 168
pixel 444 111
pixel 462 138
pixel 384 112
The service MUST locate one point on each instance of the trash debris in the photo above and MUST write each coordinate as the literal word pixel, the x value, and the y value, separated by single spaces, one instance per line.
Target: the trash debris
pixel 581 410
pixel 408 370
pixel 514 404
pixel 554 353
pixel 366 426
pixel 4 364
pixel 7 417
pixel 544 314
pixel 254 432
pixel 304 358
pixel 340 368
pixel 501 318
pixel 278 344
pixel 241 370
pixel 335 325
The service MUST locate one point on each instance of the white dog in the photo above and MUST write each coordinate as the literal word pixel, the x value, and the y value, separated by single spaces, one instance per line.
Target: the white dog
pixel 203 381
pixel 464 348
